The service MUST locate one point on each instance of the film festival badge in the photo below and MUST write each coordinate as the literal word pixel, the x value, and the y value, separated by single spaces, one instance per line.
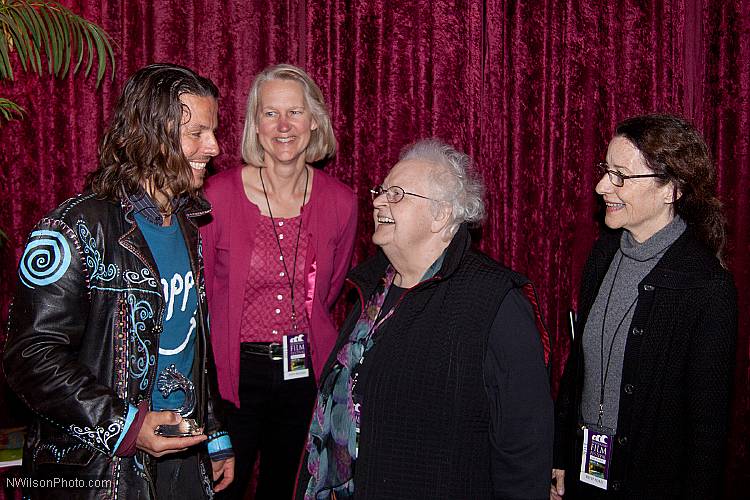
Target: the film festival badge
pixel 170 380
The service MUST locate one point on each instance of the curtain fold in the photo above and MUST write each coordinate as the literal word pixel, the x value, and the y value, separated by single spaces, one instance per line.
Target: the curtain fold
pixel 531 89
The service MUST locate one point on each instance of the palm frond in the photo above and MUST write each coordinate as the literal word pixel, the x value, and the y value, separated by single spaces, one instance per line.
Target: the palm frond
pixel 9 110
pixel 5 66
pixel 19 41
pixel 34 22
pixel 36 28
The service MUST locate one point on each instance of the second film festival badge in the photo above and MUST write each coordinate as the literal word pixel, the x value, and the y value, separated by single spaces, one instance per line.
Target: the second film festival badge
pixel 295 356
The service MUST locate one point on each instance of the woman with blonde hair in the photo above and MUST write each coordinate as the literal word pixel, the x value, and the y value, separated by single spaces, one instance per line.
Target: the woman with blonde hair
pixel 276 253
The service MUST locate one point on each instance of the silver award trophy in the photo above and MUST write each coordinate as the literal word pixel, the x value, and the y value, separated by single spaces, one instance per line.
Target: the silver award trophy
pixel 169 381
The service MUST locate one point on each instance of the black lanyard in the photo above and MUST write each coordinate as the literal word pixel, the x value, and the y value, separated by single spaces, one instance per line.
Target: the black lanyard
pixel 290 279
pixel 603 374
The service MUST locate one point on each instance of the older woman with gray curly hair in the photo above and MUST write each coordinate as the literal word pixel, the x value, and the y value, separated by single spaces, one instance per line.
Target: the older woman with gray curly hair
pixel 437 386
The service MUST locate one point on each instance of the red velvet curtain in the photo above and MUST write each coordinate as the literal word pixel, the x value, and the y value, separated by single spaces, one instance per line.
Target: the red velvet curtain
pixel 531 89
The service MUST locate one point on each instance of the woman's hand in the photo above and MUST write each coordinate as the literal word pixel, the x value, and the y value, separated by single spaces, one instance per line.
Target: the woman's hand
pixel 557 489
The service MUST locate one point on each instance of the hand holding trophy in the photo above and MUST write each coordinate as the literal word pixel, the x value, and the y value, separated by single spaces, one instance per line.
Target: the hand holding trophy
pixel 169 381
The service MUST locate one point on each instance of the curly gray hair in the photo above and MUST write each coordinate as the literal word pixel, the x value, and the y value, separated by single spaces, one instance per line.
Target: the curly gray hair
pixel 456 182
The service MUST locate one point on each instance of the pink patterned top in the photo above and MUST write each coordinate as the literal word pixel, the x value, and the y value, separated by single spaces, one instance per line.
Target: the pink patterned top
pixel 267 307
pixel 330 222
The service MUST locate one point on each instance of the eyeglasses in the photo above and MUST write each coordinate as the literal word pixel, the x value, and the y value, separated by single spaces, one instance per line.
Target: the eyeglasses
pixel 394 194
pixel 618 179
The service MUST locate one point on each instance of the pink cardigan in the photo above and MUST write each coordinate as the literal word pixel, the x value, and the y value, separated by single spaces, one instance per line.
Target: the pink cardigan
pixel 330 218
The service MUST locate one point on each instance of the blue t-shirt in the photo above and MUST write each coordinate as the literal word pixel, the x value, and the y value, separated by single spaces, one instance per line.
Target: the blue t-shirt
pixel 177 339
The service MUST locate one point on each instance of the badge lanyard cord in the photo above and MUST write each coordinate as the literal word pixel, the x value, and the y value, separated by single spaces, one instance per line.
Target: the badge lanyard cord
pixel 289 278
pixel 603 373
pixel 355 369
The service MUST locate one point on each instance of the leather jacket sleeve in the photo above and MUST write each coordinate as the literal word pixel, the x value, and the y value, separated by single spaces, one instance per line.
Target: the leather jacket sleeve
pixel 48 325
pixel 215 412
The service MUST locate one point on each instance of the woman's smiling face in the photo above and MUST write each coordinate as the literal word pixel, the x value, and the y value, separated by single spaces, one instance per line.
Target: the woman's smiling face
pixel 405 227
pixel 284 122
pixel 641 206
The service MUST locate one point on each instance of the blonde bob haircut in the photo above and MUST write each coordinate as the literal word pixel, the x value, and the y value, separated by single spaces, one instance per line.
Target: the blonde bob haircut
pixel 322 140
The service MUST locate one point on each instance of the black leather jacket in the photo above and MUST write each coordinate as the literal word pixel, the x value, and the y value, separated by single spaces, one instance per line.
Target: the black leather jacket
pixel 83 344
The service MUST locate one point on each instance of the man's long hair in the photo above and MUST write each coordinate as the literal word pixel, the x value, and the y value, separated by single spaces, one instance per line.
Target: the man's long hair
pixel 142 146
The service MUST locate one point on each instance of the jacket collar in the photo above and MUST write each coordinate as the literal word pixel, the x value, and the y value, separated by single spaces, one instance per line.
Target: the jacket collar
pixel 134 241
pixel 366 275
pixel 141 202
pixel 685 265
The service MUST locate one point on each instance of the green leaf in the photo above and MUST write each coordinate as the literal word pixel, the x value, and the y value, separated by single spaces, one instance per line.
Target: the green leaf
pixel 107 44
pixel 102 48
pixel 38 34
pixel 32 21
pixel 51 41
pixel 89 51
pixel 55 37
pixel 65 24
pixel 62 41
pixel 17 29
pixel 10 110
pixel 6 71
pixel 39 28
pixel 77 40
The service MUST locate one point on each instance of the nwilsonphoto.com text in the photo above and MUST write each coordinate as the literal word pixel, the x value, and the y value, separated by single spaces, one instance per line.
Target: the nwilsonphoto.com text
pixel 56 482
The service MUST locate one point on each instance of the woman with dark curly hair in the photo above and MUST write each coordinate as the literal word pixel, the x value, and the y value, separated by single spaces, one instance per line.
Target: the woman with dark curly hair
pixel 643 409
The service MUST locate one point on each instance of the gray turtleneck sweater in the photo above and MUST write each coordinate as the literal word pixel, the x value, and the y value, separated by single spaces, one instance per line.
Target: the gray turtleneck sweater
pixel 617 296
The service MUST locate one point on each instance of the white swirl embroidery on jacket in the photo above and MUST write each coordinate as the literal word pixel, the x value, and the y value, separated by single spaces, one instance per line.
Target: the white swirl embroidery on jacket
pixel 95 258
pixel 207 488
pixel 140 359
pixel 97 435
pixel 134 278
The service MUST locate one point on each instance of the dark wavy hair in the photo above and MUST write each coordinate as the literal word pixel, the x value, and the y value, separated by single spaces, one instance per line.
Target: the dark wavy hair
pixel 142 144
pixel 674 148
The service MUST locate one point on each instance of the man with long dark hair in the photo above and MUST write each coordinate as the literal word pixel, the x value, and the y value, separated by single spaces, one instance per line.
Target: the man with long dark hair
pixel 108 331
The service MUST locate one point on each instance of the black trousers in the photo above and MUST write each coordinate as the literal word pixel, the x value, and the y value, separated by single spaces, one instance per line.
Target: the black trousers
pixel 272 423
pixel 178 477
